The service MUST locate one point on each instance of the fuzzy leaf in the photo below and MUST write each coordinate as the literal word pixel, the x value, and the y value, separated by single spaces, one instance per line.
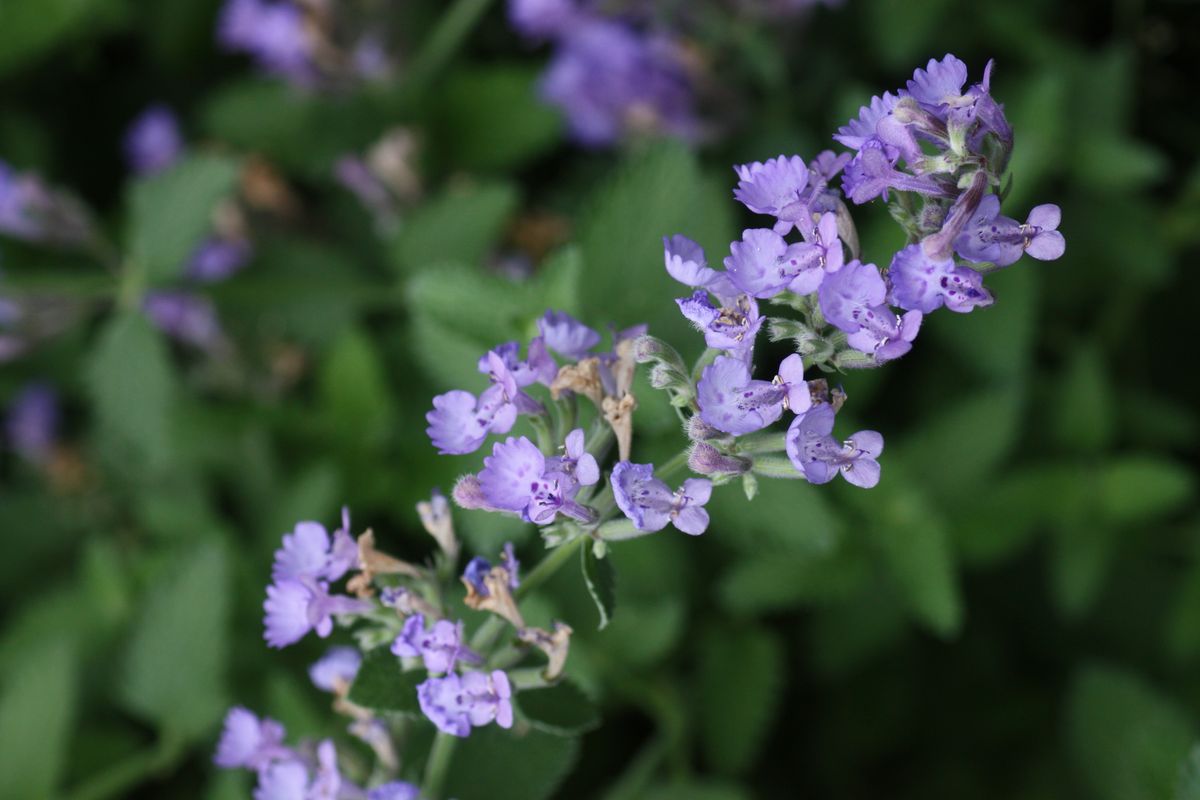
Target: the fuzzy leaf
pixel 562 709
pixel 601 581
pixel 382 684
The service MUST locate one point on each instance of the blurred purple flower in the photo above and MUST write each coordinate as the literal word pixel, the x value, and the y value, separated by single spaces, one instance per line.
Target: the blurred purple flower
pixel 339 666
pixel 185 316
pixel 153 142
pixel 250 742
pixel 456 704
pixel 440 647
pixel 216 259
pixel 32 422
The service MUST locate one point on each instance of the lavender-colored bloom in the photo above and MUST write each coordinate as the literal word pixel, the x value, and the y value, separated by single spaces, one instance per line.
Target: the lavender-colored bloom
pixel 185 316
pixel 828 165
pixel 566 335
pixel 540 19
pixel 731 401
pixel 153 142
pixel 440 647
pixel 872 172
pixel 459 423
pixel 283 780
pixel 308 552
pixel 857 132
pixel 216 259
pixel 394 790
pixel 829 255
pixel 989 236
pixel 515 478
pixel 686 263
pixel 273 32
pixel 508 559
pixel 24 203
pixel 940 85
pixel 776 188
pixel 923 283
pixel 819 456
pixel 650 504
pixel 338 666
pixel 854 300
pixel 328 781
pixel 295 607
pixel 731 327
pixel 609 80
pixel 576 463
pixel 763 264
pixel 454 704
pixel 32 422
pixel 538 367
pixel 250 742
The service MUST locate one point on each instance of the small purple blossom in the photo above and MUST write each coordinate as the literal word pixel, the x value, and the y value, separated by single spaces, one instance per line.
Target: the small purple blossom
pixel 273 32
pixel 650 504
pixel 733 402
pixel 185 316
pixel 32 422
pixel 538 367
pixel 731 327
pixel 250 742
pixel 763 264
pixel 515 478
pixel 989 236
pixel 216 259
pixel 576 463
pixel 440 647
pixel 282 780
pixel 923 283
pixel 819 456
pixel 153 142
pixel 338 666
pixel 459 422
pixel 456 704
pixel 857 132
pixel 566 335
pixel 854 300
pixel 939 85
pixel 775 188
pixel 394 790
pixel 872 172
pixel 686 263
pixel 295 607
pixel 541 19
pixel 308 552
pixel 25 202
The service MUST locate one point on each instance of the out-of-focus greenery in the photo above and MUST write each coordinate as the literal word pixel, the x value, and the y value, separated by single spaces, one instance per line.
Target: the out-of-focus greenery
pixel 1013 613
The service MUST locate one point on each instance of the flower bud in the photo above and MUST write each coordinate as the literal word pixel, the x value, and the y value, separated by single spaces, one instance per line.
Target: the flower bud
pixel 708 460
pixel 698 430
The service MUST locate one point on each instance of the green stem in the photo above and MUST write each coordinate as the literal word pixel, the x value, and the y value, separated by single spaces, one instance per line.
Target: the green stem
pixel 446 39
pixel 677 461
pixel 438 765
pixel 549 565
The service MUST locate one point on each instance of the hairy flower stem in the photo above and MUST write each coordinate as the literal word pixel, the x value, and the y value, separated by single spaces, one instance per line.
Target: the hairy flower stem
pixel 438 765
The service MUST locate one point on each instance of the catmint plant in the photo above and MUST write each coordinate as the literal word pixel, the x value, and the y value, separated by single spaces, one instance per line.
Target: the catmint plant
pixel 554 417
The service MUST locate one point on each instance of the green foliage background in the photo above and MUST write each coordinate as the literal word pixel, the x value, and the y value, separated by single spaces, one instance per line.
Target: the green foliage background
pixel 1013 613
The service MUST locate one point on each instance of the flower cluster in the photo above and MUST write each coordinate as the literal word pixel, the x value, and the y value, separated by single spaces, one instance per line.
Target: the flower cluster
pixel 286 773
pixel 941 152
pixel 33 211
pixel 306 44
pixel 609 76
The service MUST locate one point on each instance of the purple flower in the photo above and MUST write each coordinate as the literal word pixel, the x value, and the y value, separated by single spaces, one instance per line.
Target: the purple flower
pixel 32 422
pixel 440 647
pixel 338 667
pixel 459 423
pixel 872 172
pixel 939 86
pixel 763 264
pixel 456 704
pixel 576 463
pixel 854 300
pixel 153 142
pixel 24 203
pixel 216 259
pixel 686 264
pixel 857 132
pixel 923 283
pixel 731 401
pixel 828 251
pixel 515 478
pixel 308 552
pixel 283 780
pixel 476 570
pixel 540 19
pixel 508 558
pixel 819 456
pixel 651 504
pixel 295 607
pixel 1002 241
pixel 731 327
pixel 328 781
pixel 774 188
pixel 273 32
pixel 538 367
pixel 394 790
pixel 187 317
pixel 246 741
pixel 566 335
pixel 608 80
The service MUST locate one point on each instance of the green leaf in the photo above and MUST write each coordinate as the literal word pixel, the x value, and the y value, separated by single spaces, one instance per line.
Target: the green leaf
pixel 174 668
pixel 562 709
pixel 492 119
pixel 1084 415
pixel 1083 554
pixel 171 212
pixel 131 385
pixel 737 691
pixel 354 392
pixel 1126 739
pixel 1137 487
pixel 1188 785
pixel 495 764
pixel 601 580
pixel 760 584
pixel 460 226
pixel 382 684
pixel 36 713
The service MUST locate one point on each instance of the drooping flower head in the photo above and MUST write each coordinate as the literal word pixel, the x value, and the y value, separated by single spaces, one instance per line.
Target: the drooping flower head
pixel 250 742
